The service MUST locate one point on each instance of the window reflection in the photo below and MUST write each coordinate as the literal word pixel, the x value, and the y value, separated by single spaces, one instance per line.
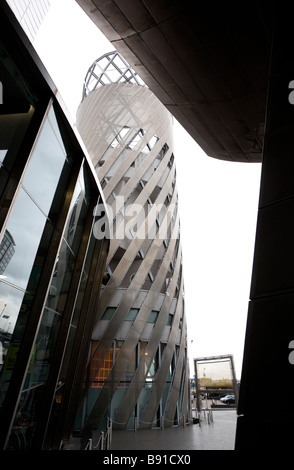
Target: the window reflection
pixel 41 359
pixel 45 166
pixel 76 222
pixel 7 250
pixel 20 268
pixel 65 263
pixel 25 225
pixel 84 280
pixel 23 233
pixel 59 287
pixel 24 230
pixel 3 152
pixel 10 302
pixel 44 347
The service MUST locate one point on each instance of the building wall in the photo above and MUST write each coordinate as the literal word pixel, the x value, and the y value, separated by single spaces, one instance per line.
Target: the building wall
pixel 49 288
pixel 138 369
pixel 270 323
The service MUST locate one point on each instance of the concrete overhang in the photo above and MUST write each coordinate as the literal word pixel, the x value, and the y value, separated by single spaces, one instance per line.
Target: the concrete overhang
pixel 209 65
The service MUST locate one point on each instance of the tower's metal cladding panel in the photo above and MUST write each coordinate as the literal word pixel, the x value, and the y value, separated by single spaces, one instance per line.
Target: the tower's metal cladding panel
pixel 138 367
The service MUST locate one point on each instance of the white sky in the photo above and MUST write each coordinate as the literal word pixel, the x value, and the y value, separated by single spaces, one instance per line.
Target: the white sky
pixel 218 200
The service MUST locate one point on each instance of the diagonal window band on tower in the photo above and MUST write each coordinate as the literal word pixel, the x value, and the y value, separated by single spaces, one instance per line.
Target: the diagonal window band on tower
pixel 137 372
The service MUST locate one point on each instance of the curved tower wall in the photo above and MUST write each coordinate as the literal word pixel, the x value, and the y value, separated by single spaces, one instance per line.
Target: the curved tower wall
pixel 138 371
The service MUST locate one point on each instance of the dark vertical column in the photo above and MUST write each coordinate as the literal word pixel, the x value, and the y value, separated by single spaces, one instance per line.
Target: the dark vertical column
pixel 266 404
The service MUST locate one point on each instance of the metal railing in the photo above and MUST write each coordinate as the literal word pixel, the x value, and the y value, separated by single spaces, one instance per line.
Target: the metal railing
pixel 104 439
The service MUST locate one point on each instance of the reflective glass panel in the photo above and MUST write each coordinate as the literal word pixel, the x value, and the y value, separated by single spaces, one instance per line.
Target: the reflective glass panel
pixel 43 350
pixel 32 394
pixel 108 314
pixel 2 154
pixel 10 302
pixel 65 264
pixel 152 317
pixel 76 222
pixel 66 360
pixel 25 226
pixel 60 283
pixel 21 241
pixel 43 173
pixel 83 284
pixel 132 314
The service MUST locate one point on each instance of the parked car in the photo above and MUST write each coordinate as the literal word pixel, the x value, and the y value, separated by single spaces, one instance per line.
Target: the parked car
pixel 228 399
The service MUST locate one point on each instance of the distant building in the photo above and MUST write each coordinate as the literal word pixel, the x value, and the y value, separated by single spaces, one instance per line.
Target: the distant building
pixel 7 250
pixel 30 14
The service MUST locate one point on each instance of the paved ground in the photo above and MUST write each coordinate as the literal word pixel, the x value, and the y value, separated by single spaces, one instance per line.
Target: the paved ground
pixel 216 435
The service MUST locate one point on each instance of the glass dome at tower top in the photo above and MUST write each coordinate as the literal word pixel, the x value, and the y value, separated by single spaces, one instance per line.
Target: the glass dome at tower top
pixel 109 68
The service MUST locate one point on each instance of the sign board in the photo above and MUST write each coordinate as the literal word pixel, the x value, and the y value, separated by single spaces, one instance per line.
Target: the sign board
pixel 215 375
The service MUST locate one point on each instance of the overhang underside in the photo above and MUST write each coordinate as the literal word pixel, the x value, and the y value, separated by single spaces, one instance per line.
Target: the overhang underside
pixel 209 65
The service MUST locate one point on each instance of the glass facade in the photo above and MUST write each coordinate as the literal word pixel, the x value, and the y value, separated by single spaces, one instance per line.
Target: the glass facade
pixel 51 265
pixel 30 14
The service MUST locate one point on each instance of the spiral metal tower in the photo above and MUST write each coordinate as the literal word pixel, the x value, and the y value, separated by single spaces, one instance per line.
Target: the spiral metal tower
pixel 138 368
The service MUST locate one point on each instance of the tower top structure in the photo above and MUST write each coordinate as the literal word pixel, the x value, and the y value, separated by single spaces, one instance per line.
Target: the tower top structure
pixel 109 68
